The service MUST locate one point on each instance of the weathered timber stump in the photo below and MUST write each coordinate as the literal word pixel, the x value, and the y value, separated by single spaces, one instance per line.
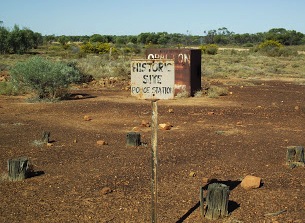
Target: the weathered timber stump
pixel 217 201
pixel 295 156
pixel 133 139
pixel 17 168
pixel 45 137
pixel 201 201
pixel 299 154
pixel 290 155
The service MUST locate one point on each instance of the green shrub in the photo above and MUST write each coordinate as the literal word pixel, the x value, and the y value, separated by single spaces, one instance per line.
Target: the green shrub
pixel 215 91
pixel 270 48
pixel 284 51
pixel 98 48
pixel 101 66
pixel 274 48
pixel 269 44
pixel 46 79
pixel 210 49
pixel 248 45
pixel 7 88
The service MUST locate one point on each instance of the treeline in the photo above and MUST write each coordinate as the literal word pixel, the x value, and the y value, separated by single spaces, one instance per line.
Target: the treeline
pixel 221 36
pixel 18 40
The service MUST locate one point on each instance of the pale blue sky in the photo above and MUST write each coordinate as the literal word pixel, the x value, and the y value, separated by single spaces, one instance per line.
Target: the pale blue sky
pixel 132 17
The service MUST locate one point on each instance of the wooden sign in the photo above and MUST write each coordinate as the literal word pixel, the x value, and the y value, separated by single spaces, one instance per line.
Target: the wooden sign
pixel 153 79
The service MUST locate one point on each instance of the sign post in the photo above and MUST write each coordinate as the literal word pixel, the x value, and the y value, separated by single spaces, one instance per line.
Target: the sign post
pixel 153 80
pixel 154 161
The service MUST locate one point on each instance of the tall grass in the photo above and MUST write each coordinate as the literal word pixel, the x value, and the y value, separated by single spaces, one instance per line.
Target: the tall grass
pixel 244 64
pixel 101 66
pixel 225 64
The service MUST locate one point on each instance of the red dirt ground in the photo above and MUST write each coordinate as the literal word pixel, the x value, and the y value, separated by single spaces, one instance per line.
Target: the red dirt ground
pixel 244 133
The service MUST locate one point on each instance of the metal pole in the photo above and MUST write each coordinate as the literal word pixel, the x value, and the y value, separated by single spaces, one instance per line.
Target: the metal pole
pixel 154 161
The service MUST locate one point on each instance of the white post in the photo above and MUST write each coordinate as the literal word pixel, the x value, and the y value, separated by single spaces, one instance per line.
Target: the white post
pixel 154 161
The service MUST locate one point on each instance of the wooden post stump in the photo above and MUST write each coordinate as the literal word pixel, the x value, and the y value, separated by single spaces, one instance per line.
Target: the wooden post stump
pixel 295 156
pixel 17 168
pixel 290 155
pixel 133 139
pixel 45 137
pixel 299 154
pixel 217 201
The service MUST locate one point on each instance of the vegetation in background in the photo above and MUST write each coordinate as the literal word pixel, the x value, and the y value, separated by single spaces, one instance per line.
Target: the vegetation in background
pixel 210 49
pixel 274 48
pixel 216 91
pixel 221 36
pixel 102 56
pixel 18 40
pixel 100 66
pixel 46 79
pixel 7 88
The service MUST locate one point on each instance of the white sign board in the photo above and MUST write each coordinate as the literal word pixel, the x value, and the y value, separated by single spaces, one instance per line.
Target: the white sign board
pixel 153 79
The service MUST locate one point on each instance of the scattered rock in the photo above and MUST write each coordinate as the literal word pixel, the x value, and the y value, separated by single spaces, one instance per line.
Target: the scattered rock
pixel 87 118
pixel 251 182
pixel 106 190
pixel 297 108
pixel 192 174
pixel 145 123
pixel 205 180
pixel 79 96
pixel 101 142
pixel 135 129
pixel 211 113
pixel 165 126
pixel 75 141
pixel 170 110
pixel 49 144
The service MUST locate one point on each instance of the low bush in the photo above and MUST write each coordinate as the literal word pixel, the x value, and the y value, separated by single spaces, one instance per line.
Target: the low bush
pixel 274 48
pixel 7 88
pixel 46 79
pixel 101 66
pixel 216 91
pixel 210 49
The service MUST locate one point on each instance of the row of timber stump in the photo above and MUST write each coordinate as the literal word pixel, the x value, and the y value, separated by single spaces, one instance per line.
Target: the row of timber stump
pixel 212 206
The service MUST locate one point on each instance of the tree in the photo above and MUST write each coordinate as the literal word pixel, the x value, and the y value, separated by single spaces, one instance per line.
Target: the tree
pixel 63 40
pixel 285 37
pixel 97 38
pixel 18 40
pixel 4 47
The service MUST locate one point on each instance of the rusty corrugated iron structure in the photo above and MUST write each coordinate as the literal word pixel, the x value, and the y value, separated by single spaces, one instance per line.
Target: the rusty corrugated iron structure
pixel 187 67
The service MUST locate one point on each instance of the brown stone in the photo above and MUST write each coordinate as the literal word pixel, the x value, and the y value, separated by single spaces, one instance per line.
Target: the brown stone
pixel 106 190
pixel 135 129
pixel 79 96
pixel 251 182
pixel 87 118
pixel 145 123
pixel 205 180
pixel 165 126
pixel 192 174
pixel 101 142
